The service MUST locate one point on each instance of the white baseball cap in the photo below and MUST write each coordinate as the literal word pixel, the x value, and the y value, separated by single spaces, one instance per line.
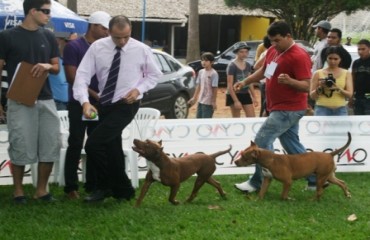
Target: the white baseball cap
pixel 100 17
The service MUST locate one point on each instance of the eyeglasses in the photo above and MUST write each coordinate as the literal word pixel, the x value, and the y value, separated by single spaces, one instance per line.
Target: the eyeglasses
pixel 45 11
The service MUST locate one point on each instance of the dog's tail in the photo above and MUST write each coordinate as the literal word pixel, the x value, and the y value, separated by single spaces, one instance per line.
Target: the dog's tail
pixel 216 154
pixel 340 150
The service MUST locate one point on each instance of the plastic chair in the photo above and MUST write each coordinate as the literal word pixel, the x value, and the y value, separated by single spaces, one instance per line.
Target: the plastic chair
pixel 58 170
pixel 59 165
pixel 144 121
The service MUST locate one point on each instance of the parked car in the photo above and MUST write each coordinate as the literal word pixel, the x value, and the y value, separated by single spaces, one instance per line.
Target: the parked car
pixel 223 59
pixel 174 89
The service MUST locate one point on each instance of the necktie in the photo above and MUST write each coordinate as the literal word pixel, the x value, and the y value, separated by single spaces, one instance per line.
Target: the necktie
pixel 110 86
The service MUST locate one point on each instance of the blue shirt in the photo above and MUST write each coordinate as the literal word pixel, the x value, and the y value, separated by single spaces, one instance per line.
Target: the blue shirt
pixel 59 84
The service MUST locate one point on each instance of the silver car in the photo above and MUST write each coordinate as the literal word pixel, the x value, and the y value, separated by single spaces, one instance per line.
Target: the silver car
pixel 174 89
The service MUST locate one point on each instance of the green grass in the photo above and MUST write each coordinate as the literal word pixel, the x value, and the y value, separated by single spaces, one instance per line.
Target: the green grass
pixel 240 216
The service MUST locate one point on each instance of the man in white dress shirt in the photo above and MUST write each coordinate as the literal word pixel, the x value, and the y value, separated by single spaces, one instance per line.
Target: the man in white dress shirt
pixel 137 74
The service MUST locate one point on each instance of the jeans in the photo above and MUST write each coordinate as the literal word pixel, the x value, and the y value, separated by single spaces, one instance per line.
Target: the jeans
pixel 77 130
pixel 362 106
pixel 283 125
pixel 204 111
pixel 325 111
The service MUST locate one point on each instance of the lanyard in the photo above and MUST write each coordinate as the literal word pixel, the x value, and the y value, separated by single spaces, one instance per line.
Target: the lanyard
pixel 278 56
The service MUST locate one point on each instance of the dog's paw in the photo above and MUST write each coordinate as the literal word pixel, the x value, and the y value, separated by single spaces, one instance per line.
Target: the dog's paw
pixel 175 202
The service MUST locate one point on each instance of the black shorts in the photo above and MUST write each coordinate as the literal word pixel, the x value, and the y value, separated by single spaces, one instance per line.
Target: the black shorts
pixel 244 99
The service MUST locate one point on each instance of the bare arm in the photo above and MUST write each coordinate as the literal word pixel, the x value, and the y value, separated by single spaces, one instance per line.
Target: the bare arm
pixel 315 86
pixel 214 97
pixel 40 68
pixel 348 88
pixel 194 99
pixel 300 85
pixel 255 77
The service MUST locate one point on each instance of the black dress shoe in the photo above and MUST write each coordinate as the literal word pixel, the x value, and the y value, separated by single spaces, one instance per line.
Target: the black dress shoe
pixel 98 196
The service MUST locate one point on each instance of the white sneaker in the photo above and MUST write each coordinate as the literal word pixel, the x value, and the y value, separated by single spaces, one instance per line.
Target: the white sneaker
pixel 245 187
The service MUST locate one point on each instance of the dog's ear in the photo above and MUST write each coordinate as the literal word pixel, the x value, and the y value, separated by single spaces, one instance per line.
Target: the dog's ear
pixel 160 143
pixel 255 153
pixel 253 144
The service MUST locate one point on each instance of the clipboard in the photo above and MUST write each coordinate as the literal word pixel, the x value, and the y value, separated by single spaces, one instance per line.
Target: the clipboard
pixel 25 88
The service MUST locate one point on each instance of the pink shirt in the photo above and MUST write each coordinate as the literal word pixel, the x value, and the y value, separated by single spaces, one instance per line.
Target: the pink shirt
pixel 207 80
pixel 138 69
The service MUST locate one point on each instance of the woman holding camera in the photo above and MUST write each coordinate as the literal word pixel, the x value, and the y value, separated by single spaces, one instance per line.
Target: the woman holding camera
pixel 331 86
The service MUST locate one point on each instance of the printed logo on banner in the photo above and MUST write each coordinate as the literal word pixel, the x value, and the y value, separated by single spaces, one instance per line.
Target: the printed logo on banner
pixel 202 131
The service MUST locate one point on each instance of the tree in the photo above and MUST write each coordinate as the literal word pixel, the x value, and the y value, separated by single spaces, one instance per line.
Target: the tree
pixel 301 15
pixel 72 4
pixel 193 49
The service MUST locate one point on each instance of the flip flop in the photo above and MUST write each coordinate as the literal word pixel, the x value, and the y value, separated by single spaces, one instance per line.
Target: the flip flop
pixel 20 200
pixel 47 198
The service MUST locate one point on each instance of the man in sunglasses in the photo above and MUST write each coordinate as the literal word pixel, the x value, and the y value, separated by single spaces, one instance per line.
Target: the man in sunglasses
pixel 33 130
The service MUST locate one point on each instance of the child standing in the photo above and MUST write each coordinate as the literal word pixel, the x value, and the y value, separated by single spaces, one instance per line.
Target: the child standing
pixel 207 85
pixel 238 70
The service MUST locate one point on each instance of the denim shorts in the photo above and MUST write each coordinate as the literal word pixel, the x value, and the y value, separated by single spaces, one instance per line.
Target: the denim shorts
pixel 326 111
pixel 34 132
pixel 204 111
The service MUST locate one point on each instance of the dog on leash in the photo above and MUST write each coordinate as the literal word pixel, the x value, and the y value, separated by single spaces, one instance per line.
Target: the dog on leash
pixel 172 171
pixel 286 168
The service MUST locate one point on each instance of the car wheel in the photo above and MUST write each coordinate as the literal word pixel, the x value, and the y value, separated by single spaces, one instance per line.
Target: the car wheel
pixel 180 108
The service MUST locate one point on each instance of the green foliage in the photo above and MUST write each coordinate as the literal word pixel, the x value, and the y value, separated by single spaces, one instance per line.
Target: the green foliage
pixel 302 14
pixel 240 216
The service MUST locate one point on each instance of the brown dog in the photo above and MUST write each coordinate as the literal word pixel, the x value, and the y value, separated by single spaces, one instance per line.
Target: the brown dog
pixel 287 168
pixel 172 171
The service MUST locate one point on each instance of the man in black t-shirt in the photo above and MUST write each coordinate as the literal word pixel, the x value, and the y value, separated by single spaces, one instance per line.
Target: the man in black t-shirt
pixel 361 79
pixel 34 132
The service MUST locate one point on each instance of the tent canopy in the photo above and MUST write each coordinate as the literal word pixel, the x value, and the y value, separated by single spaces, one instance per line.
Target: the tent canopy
pixel 62 18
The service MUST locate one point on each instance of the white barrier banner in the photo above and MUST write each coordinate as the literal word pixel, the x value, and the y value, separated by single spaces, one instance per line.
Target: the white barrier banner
pixel 187 136
pixel 183 137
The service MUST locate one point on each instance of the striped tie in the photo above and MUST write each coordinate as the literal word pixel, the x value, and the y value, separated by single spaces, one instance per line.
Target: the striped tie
pixel 110 86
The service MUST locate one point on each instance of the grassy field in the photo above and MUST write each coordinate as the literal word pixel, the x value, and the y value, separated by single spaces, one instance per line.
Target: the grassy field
pixel 240 216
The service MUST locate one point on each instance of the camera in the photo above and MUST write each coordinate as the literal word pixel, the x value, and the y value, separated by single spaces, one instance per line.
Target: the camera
pixel 330 80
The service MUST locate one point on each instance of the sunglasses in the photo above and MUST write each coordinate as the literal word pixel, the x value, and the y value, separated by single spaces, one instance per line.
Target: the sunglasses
pixel 43 10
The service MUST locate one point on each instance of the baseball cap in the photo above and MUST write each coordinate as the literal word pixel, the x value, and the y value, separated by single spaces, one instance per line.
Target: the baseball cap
pixel 323 24
pixel 240 45
pixel 100 17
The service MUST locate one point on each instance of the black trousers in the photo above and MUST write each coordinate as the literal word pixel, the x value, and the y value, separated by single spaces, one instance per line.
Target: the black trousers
pixel 104 148
pixel 77 130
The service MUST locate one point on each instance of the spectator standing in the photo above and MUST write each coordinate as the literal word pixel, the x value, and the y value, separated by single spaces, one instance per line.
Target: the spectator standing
pixel 321 32
pixel 34 132
pixel 361 79
pixel 349 40
pixel 334 38
pixel 73 54
pixel 287 70
pixel 331 86
pixel 58 82
pixel 259 63
pixel 260 49
pixel 206 90
pixel 236 71
pixel 125 69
